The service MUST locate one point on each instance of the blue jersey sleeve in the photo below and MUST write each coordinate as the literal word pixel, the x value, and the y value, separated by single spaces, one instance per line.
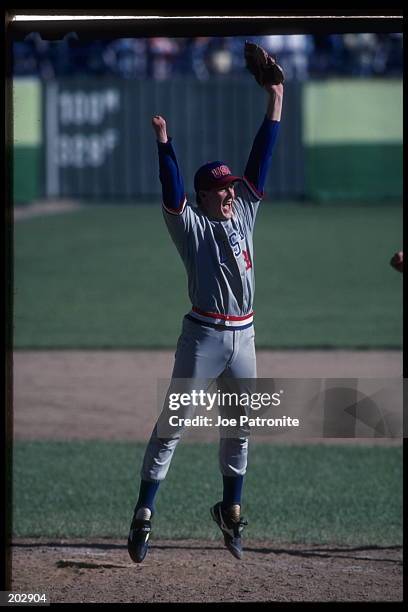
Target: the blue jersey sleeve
pixel 261 153
pixel 174 198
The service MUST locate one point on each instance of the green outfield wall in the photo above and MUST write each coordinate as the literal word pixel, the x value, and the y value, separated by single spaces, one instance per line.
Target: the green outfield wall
pixel 352 133
pixel 84 138
pixel 27 140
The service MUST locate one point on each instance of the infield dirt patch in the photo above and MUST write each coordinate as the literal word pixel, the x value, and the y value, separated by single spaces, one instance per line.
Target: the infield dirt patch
pixel 77 571
pixel 113 394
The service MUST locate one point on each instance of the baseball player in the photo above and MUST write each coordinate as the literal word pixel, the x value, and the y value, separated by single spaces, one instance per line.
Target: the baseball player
pixel 214 241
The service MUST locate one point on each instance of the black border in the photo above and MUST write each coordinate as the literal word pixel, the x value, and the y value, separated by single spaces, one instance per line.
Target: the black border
pixel 331 21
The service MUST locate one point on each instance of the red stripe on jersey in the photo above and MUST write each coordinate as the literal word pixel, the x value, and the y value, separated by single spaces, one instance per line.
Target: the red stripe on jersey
pixel 259 194
pixel 176 211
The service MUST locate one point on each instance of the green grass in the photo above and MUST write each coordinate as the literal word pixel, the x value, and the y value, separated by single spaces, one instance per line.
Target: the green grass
pixel 306 494
pixel 109 276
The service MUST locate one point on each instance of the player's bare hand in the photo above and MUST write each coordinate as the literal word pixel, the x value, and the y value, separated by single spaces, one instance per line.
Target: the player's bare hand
pixel 160 128
pixel 397 261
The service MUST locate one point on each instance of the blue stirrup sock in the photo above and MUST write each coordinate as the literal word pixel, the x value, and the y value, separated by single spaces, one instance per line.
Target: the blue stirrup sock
pixel 232 491
pixel 147 493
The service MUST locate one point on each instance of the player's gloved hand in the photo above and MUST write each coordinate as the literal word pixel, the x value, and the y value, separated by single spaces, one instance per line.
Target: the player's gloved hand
pixel 397 261
pixel 262 65
pixel 160 128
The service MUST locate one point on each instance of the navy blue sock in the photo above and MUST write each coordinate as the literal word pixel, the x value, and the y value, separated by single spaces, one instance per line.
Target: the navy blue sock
pixel 147 492
pixel 232 490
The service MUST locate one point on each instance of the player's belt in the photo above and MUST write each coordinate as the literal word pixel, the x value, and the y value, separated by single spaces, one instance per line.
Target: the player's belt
pixel 225 320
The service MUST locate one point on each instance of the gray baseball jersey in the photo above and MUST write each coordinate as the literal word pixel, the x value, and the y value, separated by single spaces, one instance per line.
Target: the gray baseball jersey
pixel 218 257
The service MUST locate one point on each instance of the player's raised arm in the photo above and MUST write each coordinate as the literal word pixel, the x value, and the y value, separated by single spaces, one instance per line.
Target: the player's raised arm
pixel 274 109
pixel 174 198
pixel 268 75
pixel 259 160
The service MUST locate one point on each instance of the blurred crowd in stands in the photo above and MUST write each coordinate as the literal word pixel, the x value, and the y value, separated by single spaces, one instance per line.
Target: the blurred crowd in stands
pixel 302 56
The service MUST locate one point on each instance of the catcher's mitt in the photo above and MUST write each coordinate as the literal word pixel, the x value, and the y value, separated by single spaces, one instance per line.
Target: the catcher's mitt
pixel 264 68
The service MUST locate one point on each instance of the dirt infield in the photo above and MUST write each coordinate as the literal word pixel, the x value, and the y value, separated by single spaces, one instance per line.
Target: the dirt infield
pixel 110 395
pixel 43 208
pixel 193 571
pixel 113 394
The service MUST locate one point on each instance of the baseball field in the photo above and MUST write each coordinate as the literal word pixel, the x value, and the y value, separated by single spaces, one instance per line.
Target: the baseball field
pixel 99 294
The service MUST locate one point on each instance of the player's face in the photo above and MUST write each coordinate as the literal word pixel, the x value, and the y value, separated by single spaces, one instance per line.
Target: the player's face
pixel 217 203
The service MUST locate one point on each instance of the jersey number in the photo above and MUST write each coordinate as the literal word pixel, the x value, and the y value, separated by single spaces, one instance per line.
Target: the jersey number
pixel 247 259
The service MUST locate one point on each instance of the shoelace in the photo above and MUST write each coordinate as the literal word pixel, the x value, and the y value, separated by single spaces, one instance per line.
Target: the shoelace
pixel 239 526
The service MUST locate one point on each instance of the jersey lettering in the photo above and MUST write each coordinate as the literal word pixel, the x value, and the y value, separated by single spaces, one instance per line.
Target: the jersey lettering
pixel 234 242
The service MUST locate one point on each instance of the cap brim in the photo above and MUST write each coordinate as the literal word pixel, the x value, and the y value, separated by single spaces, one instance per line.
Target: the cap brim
pixel 222 182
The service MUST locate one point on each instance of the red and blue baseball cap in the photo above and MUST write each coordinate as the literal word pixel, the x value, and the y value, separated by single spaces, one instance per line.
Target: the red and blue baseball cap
pixel 214 175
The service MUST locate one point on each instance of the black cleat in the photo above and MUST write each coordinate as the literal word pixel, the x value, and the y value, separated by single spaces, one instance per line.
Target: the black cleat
pixel 231 530
pixel 138 539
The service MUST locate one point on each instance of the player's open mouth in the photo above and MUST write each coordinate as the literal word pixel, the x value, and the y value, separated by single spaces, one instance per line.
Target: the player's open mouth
pixel 226 208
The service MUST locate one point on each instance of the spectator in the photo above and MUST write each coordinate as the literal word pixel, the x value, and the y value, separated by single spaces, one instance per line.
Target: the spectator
pixel 220 57
pixel 236 44
pixel 298 52
pixel 291 52
pixel 393 54
pixel 362 48
pixel 42 54
pixel 24 63
pixel 199 50
pixel 127 57
pixel 162 53
pixel 182 61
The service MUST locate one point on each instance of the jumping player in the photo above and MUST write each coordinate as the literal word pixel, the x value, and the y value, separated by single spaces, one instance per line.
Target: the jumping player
pixel 214 240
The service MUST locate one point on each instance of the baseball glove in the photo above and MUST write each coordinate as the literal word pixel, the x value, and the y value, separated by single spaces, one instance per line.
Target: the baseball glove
pixel 264 68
